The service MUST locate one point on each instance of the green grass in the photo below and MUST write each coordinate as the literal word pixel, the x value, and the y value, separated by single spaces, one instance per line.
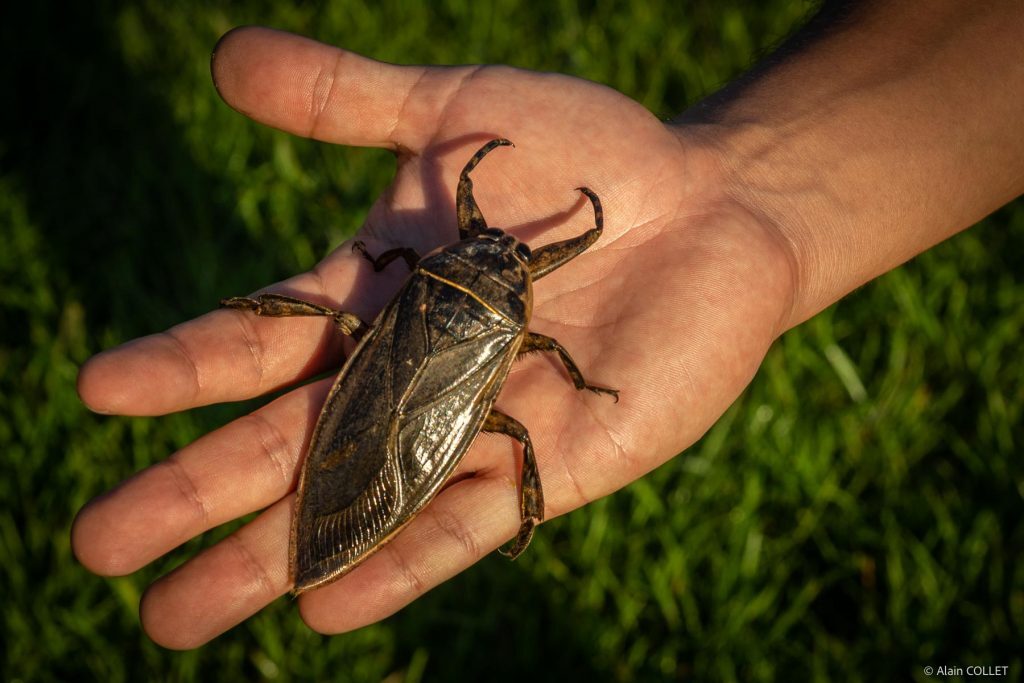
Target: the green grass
pixel 856 515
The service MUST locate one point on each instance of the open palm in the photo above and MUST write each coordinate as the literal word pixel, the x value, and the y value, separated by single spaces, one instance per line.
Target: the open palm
pixel 674 306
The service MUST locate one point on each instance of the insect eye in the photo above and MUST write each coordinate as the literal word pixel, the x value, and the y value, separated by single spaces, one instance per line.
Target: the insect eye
pixel 523 251
pixel 493 233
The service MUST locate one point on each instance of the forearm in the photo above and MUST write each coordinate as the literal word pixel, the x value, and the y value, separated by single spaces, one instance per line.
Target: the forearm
pixel 875 137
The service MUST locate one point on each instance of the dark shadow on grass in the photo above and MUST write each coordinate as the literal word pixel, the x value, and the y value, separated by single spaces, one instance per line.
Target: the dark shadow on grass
pixel 497 623
pixel 129 220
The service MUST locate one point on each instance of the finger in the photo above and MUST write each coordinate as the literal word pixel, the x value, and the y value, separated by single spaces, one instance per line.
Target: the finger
pixel 231 581
pixel 234 579
pixel 223 585
pixel 319 91
pixel 228 355
pixel 465 522
pixel 244 466
pixel 220 356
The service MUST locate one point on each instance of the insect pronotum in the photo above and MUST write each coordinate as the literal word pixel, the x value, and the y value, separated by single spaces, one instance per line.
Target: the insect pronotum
pixel 419 387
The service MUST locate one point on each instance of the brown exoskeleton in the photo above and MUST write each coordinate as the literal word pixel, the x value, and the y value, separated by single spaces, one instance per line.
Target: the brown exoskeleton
pixel 419 387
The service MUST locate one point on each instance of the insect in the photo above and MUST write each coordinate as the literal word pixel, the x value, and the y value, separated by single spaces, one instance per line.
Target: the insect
pixel 420 385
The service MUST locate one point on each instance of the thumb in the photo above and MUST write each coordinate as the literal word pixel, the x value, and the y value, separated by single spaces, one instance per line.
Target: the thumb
pixel 315 90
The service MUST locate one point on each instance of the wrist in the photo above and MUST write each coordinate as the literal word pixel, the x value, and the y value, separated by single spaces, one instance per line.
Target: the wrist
pixel 862 148
pixel 732 213
pixel 784 190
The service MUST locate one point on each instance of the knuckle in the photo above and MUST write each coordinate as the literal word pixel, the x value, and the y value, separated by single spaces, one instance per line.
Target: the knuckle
pixel 274 447
pixel 452 526
pixel 257 575
pixel 186 354
pixel 321 94
pixel 254 345
pixel 413 582
pixel 188 489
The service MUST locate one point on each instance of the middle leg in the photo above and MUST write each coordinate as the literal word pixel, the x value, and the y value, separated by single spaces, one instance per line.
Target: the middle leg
pixel 540 342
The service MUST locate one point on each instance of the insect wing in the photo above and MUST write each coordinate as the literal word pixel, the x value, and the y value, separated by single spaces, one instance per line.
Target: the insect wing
pixel 398 420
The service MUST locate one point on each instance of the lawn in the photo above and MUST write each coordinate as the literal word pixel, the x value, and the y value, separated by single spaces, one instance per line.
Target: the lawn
pixel 856 514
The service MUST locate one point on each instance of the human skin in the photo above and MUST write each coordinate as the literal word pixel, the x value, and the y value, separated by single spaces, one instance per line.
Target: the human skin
pixel 873 137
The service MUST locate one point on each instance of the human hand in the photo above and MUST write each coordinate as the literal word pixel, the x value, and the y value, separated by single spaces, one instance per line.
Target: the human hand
pixel 674 306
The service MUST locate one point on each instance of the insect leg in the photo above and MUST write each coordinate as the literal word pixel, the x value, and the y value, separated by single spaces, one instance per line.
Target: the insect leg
pixel 471 221
pixel 540 342
pixel 380 262
pixel 531 496
pixel 280 306
pixel 549 257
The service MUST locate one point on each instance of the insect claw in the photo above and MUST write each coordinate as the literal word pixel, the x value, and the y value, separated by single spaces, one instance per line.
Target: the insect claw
pixel 591 195
pixel 601 390
pixel 522 539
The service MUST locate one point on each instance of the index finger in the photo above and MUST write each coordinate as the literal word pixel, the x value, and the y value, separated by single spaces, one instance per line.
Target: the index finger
pixel 220 356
